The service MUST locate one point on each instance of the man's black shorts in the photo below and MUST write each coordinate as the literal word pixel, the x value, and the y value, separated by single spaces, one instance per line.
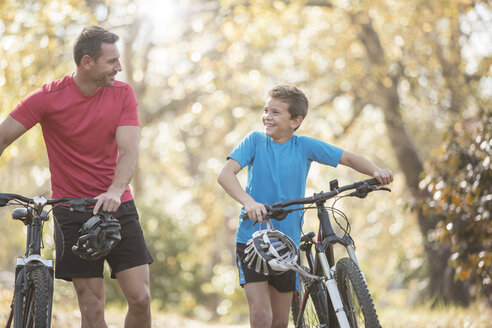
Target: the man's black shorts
pixel 130 252
pixel 285 282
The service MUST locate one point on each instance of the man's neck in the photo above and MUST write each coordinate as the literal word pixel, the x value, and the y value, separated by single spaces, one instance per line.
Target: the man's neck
pixel 84 86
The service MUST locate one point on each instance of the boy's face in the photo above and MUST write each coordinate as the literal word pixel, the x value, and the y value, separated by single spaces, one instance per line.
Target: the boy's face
pixel 279 125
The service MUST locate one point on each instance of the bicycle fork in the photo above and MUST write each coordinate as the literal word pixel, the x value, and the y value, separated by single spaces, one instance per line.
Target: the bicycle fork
pixel 332 287
pixel 331 284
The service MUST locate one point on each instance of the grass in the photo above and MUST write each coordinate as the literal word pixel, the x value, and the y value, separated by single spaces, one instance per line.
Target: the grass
pixel 478 315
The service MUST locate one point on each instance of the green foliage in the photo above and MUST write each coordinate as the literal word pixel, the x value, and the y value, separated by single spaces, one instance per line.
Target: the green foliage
pixel 459 181
pixel 200 76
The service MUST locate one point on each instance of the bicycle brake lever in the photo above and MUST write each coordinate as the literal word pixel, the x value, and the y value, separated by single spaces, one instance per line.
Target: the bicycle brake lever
pixel 359 194
pixel 382 188
pixel 363 190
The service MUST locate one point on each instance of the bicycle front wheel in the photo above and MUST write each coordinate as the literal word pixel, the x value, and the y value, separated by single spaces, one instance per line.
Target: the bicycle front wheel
pixel 355 295
pixel 310 304
pixel 33 298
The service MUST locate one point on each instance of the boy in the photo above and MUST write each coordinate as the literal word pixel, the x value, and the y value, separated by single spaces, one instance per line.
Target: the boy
pixel 278 163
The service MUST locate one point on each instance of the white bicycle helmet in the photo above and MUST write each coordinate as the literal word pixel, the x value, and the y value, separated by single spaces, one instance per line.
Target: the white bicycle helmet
pixel 270 252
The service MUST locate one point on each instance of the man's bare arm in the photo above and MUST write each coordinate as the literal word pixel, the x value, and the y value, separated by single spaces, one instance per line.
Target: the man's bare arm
pixel 10 130
pixel 127 139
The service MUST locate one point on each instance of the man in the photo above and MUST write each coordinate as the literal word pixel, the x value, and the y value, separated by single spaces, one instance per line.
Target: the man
pixel 91 131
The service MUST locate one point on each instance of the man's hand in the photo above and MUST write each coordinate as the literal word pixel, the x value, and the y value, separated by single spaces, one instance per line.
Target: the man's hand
pixel 110 201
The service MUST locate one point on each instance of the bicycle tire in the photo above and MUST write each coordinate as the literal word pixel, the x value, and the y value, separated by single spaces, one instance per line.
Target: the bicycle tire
pixel 357 301
pixel 310 304
pixel 33 299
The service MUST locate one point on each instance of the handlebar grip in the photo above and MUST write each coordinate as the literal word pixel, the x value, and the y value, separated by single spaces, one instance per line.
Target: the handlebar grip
pixel 3 201
pixel 6 197
pixel 245 215
pixel 372 182
pixel 81 205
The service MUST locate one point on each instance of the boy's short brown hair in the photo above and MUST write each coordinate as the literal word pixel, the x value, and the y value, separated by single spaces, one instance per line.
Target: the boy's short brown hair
pixel 89 42
pixel 292 96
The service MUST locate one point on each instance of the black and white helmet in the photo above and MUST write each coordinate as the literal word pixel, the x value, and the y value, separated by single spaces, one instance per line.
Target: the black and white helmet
pixel 270 252
pixel 97 237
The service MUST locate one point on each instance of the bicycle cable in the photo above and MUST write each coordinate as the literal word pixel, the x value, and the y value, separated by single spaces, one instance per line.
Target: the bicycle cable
pixel 346 230
pixel 302 219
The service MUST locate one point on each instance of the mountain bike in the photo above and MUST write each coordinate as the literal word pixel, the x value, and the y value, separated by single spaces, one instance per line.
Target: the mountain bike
pixel 333 293
pixel 33 291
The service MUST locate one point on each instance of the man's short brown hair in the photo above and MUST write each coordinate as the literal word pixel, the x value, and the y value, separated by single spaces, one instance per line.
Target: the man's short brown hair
pixel 89 42
pixel 292 96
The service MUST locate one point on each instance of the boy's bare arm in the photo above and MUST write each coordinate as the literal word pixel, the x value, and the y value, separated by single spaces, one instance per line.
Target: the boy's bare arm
pixel 228 180
pixel 365 166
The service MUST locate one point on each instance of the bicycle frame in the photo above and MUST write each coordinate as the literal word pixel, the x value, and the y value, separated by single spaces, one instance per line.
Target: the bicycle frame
pixel 32 271
pixel 33 218
pixel 322 262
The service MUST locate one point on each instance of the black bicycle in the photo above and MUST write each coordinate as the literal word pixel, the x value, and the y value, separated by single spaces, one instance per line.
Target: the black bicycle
pixel 33 291
pixel 333 293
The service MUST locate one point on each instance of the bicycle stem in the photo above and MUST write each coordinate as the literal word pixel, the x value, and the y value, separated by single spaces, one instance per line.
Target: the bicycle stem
pixel 324 219
pixel 35 237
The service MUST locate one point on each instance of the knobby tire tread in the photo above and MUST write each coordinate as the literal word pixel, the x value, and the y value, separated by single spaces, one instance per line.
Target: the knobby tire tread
pixel 347 271
pixel 32 309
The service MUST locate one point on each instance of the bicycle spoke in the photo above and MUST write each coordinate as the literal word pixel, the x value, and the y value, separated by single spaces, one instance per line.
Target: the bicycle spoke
pixel 310 308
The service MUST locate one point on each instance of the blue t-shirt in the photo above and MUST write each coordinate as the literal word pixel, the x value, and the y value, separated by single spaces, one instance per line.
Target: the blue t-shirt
pixel 277 173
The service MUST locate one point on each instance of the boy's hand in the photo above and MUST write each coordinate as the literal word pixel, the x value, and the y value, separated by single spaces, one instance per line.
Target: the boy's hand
pixel 384 176
pixel 255 211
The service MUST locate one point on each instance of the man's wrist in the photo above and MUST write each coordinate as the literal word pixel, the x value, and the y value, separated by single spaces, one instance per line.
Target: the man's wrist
pixel 119 190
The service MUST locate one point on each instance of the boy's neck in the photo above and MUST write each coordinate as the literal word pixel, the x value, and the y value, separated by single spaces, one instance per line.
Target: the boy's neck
pixel 282 140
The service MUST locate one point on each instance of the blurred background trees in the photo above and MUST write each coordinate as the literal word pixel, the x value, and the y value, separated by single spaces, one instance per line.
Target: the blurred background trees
pixel 387 79
pixel 459 181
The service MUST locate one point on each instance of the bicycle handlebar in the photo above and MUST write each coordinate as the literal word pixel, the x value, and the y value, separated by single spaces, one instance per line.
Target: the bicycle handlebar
pixel 362 188
pixel 78 204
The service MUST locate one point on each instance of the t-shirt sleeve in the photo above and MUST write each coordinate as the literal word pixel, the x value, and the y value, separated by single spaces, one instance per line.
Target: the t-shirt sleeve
pixel 29 111
pixel 129 114
pixel 322 152
pixel 244 153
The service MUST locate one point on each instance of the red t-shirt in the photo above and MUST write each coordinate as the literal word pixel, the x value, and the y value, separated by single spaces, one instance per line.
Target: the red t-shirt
pixel 79 132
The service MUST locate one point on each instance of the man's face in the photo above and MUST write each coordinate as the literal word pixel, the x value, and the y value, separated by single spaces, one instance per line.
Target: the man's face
pixel 107 65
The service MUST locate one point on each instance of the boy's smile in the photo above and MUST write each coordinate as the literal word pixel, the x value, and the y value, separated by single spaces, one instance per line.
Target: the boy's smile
pixel 277 120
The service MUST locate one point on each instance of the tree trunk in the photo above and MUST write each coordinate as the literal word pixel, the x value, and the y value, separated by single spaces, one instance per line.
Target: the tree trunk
pixel 442 285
